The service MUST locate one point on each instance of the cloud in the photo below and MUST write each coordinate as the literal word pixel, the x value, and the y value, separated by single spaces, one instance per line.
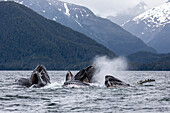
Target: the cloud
pixel 112 7
pixel 154 3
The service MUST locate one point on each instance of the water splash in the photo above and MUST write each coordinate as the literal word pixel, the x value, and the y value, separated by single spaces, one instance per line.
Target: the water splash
pixel 54 85
pixel 106 66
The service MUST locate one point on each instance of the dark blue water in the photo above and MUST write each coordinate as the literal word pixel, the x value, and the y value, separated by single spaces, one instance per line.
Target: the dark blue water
pixel 154 98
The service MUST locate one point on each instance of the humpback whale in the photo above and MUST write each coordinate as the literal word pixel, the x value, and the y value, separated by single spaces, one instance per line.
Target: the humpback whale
pixel 39 78
pixel 84 77
pixel 86 74
pixel 81 79
pixel 111 81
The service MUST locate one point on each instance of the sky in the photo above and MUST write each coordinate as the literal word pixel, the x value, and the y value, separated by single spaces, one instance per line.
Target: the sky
pixel 106 8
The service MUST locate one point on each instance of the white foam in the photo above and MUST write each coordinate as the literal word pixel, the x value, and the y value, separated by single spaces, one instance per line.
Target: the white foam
pixel 53 85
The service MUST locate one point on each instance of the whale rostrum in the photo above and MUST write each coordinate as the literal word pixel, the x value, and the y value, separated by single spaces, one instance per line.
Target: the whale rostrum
pixel 39 78
pixel 82 78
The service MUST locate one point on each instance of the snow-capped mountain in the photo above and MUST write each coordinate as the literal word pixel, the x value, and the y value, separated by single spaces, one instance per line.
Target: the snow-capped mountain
pixel 161 41
pixel 56 10
pixel 83 20
pixel 125 15
pixel 149 24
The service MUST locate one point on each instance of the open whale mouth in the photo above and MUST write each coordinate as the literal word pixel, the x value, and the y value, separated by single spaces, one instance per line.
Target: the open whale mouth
pixel 69 76
pixel 35 78
pixel 75 84
pixel 40 76
pixel 111 81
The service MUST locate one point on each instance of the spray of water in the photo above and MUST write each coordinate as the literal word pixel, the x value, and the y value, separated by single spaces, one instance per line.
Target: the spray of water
pixel 106 66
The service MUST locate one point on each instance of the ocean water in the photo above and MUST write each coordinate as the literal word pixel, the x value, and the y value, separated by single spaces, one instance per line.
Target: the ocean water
pixel 154 98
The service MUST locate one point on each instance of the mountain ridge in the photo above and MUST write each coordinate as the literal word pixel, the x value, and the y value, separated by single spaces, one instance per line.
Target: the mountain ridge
pixel 152 25
pixel 83 20
pixel 149 61
pixel 28 39
pixel 125 15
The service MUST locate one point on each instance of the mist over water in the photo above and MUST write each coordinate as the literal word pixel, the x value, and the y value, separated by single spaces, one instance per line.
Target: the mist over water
pixel 106 66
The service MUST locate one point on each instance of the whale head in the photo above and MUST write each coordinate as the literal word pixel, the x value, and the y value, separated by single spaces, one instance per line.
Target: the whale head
pixel 69 76
pixel 85 75
pixel 111 81
pixel 39 77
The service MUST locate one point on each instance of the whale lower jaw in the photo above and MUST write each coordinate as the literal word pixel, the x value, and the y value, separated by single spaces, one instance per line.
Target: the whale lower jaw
pixel 75 84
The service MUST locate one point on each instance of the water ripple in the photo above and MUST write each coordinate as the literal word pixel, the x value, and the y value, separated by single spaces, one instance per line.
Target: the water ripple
pixel 53 98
